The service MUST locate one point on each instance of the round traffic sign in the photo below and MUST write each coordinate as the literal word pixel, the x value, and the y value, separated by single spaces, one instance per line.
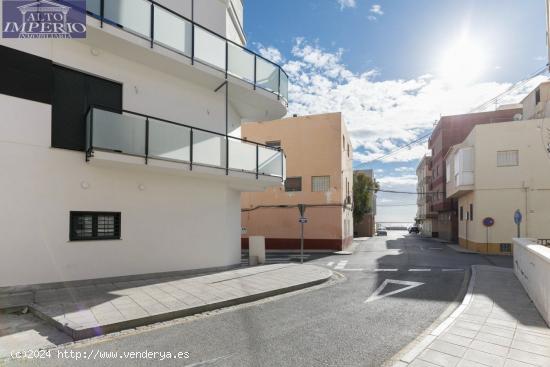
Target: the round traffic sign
pixel 517 217
pixel 488 222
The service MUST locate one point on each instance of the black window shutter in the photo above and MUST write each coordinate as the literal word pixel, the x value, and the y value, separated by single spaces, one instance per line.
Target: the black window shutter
pixel 74 93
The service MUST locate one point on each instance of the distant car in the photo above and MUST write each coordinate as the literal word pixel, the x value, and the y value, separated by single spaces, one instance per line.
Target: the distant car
pixel 414 229
pixel 381 231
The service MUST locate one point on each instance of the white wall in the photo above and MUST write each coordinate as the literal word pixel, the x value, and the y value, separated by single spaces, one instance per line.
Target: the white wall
pixel 168 226
pixel 532 268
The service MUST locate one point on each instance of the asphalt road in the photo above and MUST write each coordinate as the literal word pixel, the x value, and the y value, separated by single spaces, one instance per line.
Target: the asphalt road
pixel 329 325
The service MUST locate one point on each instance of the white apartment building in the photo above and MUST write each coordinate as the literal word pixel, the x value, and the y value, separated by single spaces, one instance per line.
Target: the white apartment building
pixel 120 152
pixel 494 178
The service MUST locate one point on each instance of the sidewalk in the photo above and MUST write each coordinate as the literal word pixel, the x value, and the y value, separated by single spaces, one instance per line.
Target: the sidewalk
pixel 496 325
pixel 89 311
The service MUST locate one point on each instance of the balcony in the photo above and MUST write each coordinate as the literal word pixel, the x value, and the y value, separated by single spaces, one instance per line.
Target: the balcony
pixel 460 166
pixel 131 138
pixel 164 27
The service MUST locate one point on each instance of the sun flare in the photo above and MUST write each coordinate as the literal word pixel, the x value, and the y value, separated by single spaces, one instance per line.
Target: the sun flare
pixel 463 63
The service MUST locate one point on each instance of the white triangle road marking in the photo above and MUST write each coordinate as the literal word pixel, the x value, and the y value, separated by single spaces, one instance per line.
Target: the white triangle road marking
pixel 376 295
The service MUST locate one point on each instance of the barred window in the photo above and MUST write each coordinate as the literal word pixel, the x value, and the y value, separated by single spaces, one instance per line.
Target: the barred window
pixel 320 183
pixel 293 184
pixel 87 226
pixel 508 158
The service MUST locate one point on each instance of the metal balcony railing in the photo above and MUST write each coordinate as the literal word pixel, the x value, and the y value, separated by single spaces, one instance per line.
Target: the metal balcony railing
pixel 164 27
pixel 139 135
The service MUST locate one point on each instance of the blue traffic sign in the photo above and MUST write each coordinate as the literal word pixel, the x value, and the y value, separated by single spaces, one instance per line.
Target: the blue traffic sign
pixel 488 222
pixel 517 217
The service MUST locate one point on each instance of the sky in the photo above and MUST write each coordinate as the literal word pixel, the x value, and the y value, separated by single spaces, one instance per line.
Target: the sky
pixel 393 67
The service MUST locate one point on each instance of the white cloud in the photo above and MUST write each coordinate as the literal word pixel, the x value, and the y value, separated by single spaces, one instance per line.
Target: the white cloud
pixel 376 9
pixel 397 182
pixel 346 4
pixel 375 12
pixel 270 53
pixel 405 169
pixel 380 114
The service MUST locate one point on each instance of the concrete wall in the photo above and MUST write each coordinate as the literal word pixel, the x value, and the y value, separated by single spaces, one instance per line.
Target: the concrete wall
pixel 314 147
pixel 532 268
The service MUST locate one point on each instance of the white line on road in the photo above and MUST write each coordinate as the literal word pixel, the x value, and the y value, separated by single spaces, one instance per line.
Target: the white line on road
pixel 452 270
pixel 341 265
pixel 420 269
pixel 330 263
pixel 376 295
pixel 386 270
pixel 351 269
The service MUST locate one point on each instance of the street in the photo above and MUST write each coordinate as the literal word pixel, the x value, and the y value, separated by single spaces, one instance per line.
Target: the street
pixel 352 321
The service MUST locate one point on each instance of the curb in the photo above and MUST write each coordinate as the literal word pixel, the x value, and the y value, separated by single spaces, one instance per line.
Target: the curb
pixel 428 337
pixel 85 333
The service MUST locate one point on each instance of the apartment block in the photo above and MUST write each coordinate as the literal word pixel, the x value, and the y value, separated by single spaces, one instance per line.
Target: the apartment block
pixel 424 214
pixel 492 178
pixel 319 158
pixel 121 152
pixel 449 131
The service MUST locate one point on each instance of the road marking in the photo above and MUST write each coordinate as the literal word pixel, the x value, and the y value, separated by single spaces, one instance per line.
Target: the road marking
pixel 376 295
pixel 420 269
pixel 341 265
pixel 351 269
pixel 386 270
pixel 330 263
pixel 452 270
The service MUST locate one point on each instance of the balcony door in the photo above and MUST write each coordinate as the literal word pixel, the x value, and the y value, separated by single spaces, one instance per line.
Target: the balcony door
pixel 73 93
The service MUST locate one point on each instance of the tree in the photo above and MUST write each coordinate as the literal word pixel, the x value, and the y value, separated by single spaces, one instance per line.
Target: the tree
pixel 364 188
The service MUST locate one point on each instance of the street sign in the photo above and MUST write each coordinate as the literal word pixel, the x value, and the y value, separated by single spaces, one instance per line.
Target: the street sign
pixel 488 222
pixel 302 220
pixel 517 217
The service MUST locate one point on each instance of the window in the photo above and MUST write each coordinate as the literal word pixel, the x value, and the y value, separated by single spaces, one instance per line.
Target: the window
pixel 87 226
pixel 461 213
pixel 320 183
pixel 293 184
pixel 273 144
pixel 537 96
pixel 448 172
pixel 471 212
pixel 508 158
pixel 348 150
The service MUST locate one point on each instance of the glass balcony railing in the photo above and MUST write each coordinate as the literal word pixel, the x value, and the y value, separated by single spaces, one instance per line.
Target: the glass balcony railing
pixel 148 137
pixel 164 27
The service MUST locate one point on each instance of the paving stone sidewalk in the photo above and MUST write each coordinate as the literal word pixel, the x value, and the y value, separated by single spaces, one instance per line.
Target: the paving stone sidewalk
pixel 496 325
pixel 88 311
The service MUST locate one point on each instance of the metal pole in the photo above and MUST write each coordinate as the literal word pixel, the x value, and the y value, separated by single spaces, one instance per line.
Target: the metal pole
pixel 487 239
pixel 226 126
pixel 302 244
pixel 152 24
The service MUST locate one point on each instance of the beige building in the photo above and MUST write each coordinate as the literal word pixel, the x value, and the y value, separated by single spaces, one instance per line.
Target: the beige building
pixel 319 174
pixel 424 212
pixel 492 178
